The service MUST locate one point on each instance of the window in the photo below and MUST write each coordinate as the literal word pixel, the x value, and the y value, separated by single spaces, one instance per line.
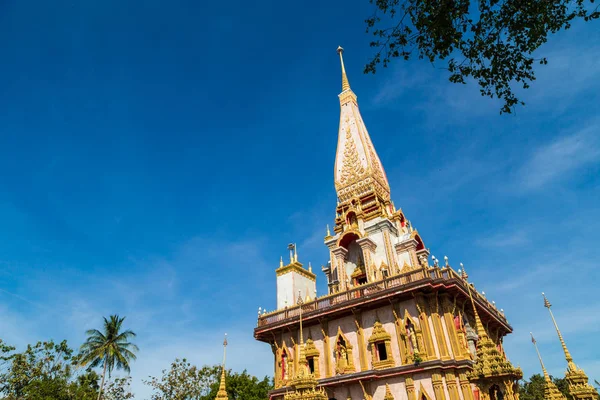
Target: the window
pixel 382 351
pixel 311 364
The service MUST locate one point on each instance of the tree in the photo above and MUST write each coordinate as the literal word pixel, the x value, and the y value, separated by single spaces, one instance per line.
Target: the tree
pixel 491 41
pixel 118 389
pixel 44 371
pixel 534 388
pixel 184 381
pixel 110 349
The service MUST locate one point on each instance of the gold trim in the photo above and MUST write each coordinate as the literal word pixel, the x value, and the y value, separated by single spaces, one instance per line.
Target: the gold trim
pixel 295 267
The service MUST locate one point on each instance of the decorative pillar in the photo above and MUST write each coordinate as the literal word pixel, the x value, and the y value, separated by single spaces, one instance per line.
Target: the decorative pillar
pixel 362 350
pixel 425 328
pixel 391 262
pixel 368 247
pixel 452 386
pixel 449 307
pixel 465 385
pixel 409 383
pixel 437 327
pixel 438 385
pixel 326 348
pixel 340 254
pixel 400 336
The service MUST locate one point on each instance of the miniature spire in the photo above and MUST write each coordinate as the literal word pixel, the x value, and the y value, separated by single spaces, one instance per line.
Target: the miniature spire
pixel 478 325
pixel 345 83
pixel 546 376
pixel 328 232
pixel 281 262
pixel 562 341
pixel 222 393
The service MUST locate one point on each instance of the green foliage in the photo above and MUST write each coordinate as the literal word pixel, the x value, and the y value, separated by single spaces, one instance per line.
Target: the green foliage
pixel 184 381
pixel 491 41
pixel 243 386
pixel 118 389
pixel 44 371
pixel 534 388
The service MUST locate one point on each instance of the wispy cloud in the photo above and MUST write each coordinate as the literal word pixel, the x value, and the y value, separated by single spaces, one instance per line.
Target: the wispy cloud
pixel 513 238
pixel 560 157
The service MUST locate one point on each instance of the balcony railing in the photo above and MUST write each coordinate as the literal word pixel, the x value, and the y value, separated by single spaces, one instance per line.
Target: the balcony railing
pixel 329 301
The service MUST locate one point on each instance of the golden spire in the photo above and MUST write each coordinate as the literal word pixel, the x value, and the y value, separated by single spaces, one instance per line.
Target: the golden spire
pixel 478 325
pixel 562 341
pixel 358 172
pixel 222 393
pixel 345 83
pixel 546 376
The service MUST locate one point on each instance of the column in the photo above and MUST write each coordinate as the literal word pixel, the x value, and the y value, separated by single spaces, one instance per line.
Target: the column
pixel 326 348
pixel 368 247
pixel 437 327
pixel 465 385
pixel 438 385
pixel 425 328
pixel 340 261
pixel 409 383
pixel 452 386
pixel 362 349
pixel 448 308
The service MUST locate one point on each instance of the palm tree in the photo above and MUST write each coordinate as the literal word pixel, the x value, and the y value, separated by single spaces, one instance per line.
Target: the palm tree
pixel 110 349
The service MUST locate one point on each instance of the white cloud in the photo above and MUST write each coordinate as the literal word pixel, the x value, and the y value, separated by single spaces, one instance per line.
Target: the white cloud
pixel 513 238
pixel 556 159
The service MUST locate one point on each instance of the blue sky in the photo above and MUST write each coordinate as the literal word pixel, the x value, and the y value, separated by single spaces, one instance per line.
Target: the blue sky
pixel 157 158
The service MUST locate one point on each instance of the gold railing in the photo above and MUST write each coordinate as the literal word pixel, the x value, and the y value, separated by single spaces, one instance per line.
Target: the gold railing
pixel 335 299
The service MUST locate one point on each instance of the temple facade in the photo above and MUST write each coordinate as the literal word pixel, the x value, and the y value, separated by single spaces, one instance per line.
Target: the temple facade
pixel 396 323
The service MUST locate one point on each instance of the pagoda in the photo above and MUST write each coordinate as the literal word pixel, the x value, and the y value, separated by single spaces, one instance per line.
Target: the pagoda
pixel 393 325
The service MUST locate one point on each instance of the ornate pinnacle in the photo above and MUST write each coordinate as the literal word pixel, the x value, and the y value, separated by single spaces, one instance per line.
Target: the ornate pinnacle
pixel 222 393
pixel 345 83
pixel 562 341
pixel 546 376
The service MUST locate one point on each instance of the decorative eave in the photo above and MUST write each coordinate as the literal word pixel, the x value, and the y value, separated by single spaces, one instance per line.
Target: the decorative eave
pixel 295 267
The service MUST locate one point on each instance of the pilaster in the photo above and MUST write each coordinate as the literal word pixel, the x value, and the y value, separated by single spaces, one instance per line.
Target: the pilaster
pixel 451 385
pixel 465 385
pixel 409 383
pixel 437 327
pixel 391 262
pixel 340 258
pixel 362 350
pixel 399 328
pixel 368 247
pixel 326 348
pixel 425 328
pixel 449 307
pixel 438 385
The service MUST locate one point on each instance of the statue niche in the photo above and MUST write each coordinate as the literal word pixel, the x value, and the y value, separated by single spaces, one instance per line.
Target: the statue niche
pixel 285 364
pixel 343 354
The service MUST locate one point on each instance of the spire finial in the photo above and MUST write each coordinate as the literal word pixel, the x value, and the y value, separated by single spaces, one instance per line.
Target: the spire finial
pixel 546 376
pixel 328 232
pixel 562 341
pixel 345 83
pixel 478 325
pixel 222 393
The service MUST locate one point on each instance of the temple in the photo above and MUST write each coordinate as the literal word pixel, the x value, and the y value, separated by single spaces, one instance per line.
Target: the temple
pixel 393 325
